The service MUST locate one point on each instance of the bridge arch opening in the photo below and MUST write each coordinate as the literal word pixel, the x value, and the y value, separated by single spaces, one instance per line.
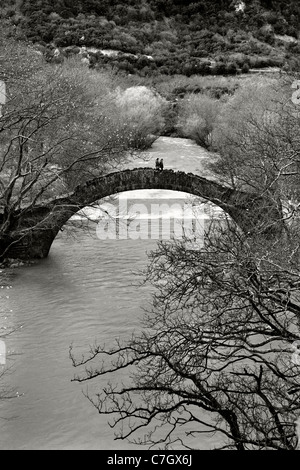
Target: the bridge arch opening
pixel 148 214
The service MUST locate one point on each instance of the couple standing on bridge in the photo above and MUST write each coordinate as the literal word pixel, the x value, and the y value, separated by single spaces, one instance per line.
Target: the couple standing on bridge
pixel 159 164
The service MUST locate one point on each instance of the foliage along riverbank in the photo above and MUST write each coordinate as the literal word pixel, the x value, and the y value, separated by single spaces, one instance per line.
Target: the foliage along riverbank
pixel 122 115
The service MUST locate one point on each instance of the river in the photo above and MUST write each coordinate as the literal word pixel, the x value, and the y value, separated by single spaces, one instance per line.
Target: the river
pixel 84 292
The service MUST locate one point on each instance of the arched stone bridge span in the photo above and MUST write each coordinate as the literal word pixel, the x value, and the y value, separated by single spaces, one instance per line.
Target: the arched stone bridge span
pixel 33 230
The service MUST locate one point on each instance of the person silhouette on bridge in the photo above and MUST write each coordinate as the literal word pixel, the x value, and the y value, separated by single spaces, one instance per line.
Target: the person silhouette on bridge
pixel 161 165
pixel 157 164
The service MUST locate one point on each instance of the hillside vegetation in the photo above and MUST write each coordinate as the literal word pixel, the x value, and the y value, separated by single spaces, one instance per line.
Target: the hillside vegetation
pixel 163 36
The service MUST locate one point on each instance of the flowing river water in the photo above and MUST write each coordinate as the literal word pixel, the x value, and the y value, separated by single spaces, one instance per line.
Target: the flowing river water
pixel 84 293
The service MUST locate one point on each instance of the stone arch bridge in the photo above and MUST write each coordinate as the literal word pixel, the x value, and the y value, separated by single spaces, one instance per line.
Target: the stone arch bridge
pixel 32 230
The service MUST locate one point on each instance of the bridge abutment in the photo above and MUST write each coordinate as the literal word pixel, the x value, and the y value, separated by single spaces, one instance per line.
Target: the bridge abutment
pixel 35 245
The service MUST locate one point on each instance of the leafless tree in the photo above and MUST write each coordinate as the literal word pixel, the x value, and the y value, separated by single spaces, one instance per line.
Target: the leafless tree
pixel 257 139
pixel 217 353
pixel 59 127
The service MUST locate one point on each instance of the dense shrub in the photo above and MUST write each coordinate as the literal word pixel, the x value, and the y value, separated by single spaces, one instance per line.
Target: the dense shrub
pixel 196 118
pixel 142 111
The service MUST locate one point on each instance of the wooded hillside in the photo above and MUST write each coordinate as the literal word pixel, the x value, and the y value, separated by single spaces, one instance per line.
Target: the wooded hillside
pixel 167 36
